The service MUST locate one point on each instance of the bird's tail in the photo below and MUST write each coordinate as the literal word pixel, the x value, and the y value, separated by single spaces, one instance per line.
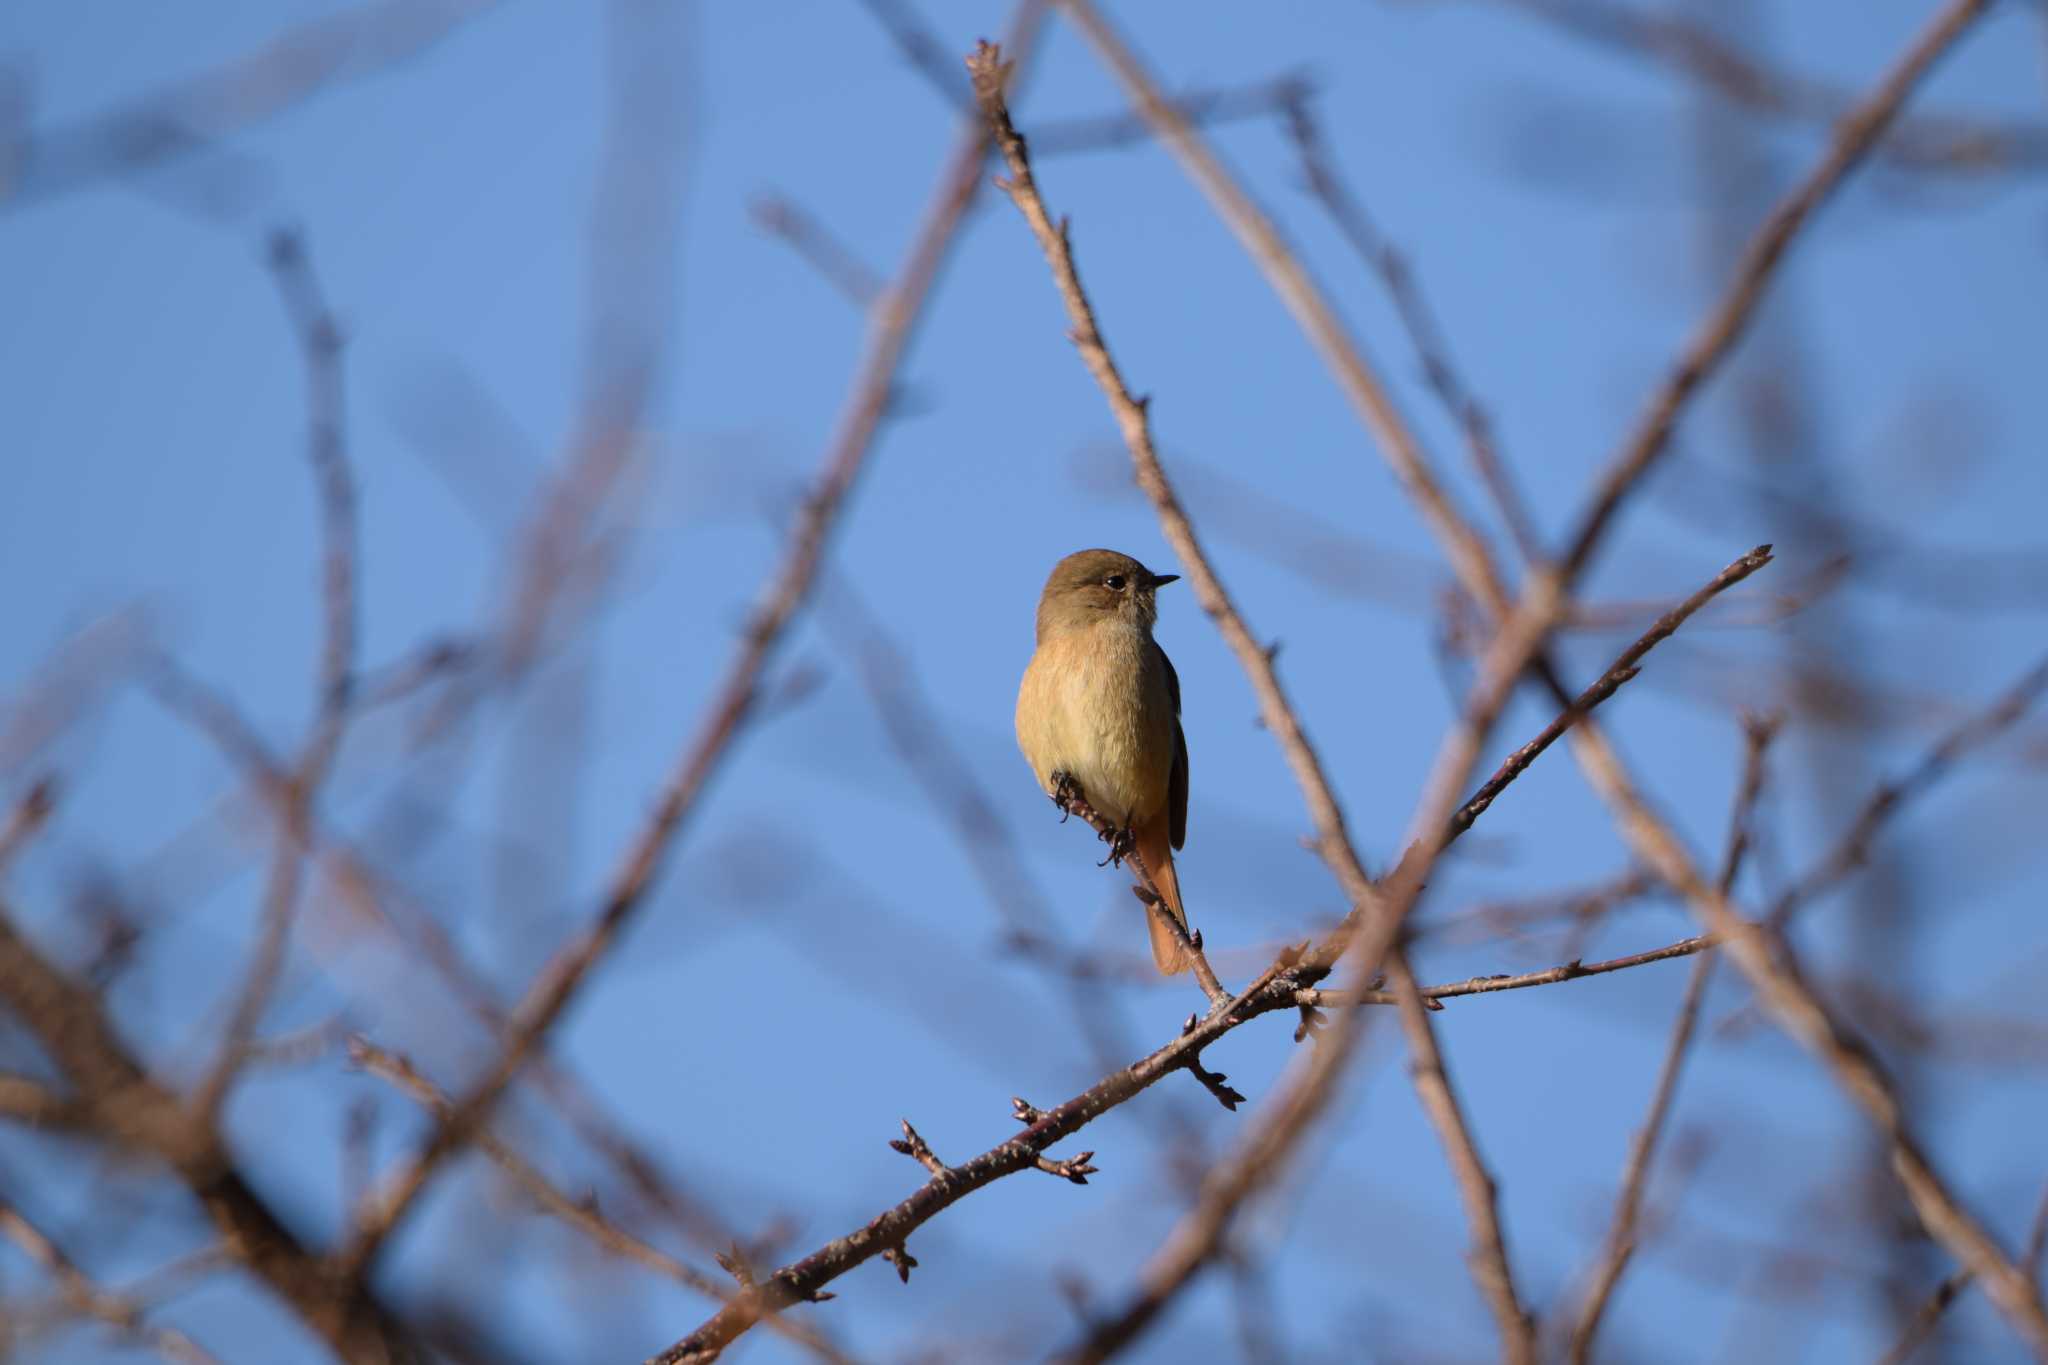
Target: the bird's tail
pixel 1156 849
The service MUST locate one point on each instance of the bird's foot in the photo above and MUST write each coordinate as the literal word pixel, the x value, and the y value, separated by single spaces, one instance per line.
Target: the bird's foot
pixel 1064 790
pixel 1121 842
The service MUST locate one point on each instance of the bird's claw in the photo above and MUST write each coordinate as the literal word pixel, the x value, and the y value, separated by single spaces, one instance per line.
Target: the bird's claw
pixel 1063 793
pixel 1121 842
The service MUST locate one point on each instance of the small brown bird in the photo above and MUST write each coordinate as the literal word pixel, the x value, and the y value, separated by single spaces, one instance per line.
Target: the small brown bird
pixel 1100 709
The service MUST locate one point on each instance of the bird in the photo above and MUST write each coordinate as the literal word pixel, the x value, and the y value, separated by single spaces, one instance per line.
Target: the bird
pixel 1098 714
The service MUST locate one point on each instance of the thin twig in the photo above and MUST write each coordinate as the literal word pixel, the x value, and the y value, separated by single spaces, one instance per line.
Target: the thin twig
pixel 1620 671
pixel 1574 970
pixel 1929 1315
pixel 1621 1235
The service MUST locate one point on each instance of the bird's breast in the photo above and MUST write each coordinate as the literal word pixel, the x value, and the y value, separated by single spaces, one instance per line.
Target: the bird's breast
pixel 1094 704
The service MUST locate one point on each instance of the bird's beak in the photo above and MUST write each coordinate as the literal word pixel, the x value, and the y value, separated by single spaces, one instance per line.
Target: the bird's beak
pixel 1160 580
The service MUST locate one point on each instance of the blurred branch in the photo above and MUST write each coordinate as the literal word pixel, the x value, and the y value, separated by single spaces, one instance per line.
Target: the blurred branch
pixel 319 337
pixel 1857 132
pixel 1621 1234
pixel 1929 1317
pixel 125 1106
pixel 932 58
pixel 1851 850
pixel 1488 1260
pixel 1425 335
pixel 782 217
pixel 580 1214
pixel 123 1313
pixel 198 113
pixel 1932 142
pixel 382 903
pixel 26 819
pixel 891 327
pixel 1767 960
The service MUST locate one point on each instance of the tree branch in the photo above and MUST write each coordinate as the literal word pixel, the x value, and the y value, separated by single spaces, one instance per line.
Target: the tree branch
pixel 1621 1235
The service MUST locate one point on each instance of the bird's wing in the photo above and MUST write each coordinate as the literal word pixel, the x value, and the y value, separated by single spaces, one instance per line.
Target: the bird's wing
pixel 1177 784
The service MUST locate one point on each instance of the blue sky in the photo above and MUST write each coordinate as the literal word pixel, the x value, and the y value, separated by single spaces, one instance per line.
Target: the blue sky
pixel 819 959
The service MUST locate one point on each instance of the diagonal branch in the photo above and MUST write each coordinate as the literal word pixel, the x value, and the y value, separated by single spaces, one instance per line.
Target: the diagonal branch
pixel 320 344
pixel 1853 848
pixel 123 1313
pixel 123 1103
pixel 1858 131
pixel 1277 990
pixel 891 327
pixel 1767 960
pixel 1621 1236
pixel 1491 1270
pixel 580 1214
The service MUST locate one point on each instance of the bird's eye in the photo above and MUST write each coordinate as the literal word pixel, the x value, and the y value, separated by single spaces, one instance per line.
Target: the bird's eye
pixel 1115 582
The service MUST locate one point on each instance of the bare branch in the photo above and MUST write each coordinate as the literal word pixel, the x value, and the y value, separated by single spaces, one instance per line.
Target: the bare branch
pixel 1853 848
pixel 580 1214
pixel 891 327
pixel 1934 142
pixel 1319 170
pixel 26 819
pixel 1767 960
pixel 1716 336
pixel 1492 985
pixel 129 1108
pixel 320 343
pixel 121 1312
pixel 254 87
pixel 1489 1257
pixel 1620 671
pixel 1621 1235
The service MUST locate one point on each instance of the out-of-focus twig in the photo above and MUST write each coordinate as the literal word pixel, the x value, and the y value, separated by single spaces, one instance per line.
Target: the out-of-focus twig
pixel 1857 132
pixel 1491 1269
pixel 27 816
pixel 1951 1287
pixel 1621 1235
pixel 285 71
pixel 122 1103
pixel 320 341
pixel 1767 960
pixel 1934 142
pixel 121 1312
pixel 892 324
pixel 1425 335
pixel 1853 847
pixel 581 1214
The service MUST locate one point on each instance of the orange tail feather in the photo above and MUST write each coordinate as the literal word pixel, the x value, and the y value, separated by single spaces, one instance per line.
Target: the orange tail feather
pixel 1156 849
